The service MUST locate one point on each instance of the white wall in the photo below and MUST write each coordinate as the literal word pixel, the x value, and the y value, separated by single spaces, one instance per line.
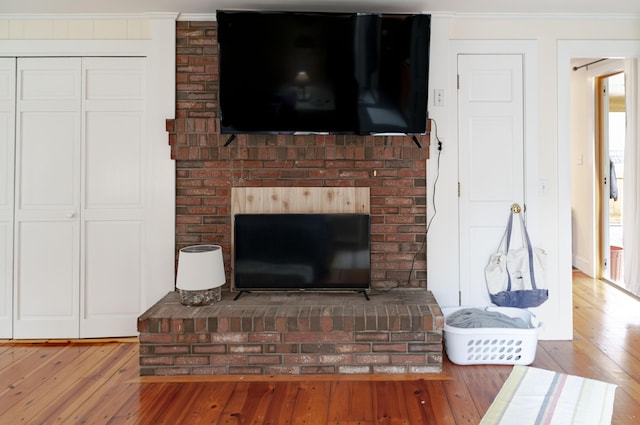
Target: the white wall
pixel 557 39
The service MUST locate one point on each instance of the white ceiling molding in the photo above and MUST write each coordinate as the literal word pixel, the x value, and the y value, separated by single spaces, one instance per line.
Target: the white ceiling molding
pixel 207 7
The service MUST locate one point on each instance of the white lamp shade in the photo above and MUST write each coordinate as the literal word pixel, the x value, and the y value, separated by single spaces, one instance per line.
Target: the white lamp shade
pixel 200 267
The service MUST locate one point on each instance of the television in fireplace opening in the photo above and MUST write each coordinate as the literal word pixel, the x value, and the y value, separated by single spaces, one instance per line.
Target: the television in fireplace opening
pixel 297 252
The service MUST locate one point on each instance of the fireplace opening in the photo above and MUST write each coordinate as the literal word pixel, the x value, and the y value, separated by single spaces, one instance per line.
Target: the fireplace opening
pixel 301 252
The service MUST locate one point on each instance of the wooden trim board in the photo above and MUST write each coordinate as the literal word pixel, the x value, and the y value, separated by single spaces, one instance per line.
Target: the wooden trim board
pixel 273 200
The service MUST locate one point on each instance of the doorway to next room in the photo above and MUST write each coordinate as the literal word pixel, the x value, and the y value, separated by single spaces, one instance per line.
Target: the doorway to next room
pixel 599 134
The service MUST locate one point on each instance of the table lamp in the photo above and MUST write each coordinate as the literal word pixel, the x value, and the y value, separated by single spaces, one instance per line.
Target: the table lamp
pixel 200 274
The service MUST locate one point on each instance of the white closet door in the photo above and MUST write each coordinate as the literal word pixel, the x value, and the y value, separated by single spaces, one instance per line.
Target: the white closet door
pixel 491 161
pixel 47 174
pixel 112 195
pixel 7 139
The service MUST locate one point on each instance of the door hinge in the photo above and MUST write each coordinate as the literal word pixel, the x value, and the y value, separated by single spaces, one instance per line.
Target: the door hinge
pixel 459 297
pixel 458 189
pixel 458 81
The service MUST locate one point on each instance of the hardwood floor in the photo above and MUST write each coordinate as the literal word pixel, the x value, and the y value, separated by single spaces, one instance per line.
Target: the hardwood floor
pixel 97 382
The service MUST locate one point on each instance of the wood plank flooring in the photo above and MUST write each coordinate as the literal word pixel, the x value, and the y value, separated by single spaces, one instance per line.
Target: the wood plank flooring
pixel 97 382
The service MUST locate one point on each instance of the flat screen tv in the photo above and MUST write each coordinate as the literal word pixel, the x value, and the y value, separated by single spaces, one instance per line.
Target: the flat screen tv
pixel 337 73
pixel 295 252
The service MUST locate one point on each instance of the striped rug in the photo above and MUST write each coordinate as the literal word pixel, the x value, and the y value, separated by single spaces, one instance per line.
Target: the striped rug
pixel 532 396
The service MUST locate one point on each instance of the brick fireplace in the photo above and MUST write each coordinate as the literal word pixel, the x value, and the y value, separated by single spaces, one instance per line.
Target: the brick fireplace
pixel 394 333
pixel 393 167
pixel 398 331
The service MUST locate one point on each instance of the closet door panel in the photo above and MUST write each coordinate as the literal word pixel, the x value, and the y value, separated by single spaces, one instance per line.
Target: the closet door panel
pixel 114 164
pixel 47 272
pixel 112 274
pixel 7 143
pixel 47 162
pixel 47 188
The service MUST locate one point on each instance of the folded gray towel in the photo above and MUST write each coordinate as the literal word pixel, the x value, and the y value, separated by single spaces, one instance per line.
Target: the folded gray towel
pixel 477 318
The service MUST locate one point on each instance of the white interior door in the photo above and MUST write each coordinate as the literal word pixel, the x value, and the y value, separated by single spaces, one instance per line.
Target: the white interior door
pixel 112 196
pixel 491 161
pixel 47 232
pixel 7 143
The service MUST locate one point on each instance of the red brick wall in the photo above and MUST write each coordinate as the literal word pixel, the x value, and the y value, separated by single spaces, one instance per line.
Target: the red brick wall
pixel 393 167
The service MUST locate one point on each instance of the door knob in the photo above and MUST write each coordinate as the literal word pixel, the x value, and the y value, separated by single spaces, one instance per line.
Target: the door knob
pixel 71 214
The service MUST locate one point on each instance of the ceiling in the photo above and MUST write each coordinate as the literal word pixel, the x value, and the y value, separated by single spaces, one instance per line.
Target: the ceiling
pixel 402 6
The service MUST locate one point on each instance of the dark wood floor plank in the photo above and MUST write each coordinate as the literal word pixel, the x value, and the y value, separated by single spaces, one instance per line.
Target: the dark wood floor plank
pixel 351 403
pixel 280 411
pixel 312 403
pixel 459 396
pixel 388 403
pixel 208 407
pixel 177 409
pixel 483 383
pixel 437 403
pixel 248 403
pixel 544 360
pixel 419 406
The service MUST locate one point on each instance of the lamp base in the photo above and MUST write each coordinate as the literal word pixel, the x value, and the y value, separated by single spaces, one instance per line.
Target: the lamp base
pixel 200 297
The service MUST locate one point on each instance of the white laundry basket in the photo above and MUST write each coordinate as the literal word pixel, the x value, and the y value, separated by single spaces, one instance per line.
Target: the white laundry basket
pixel 513 346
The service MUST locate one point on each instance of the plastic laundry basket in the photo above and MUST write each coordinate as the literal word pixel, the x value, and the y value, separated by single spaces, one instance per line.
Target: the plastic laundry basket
pixel 513 346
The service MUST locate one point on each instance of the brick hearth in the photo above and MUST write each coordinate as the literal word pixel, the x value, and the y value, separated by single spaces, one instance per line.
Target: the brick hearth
pixel 398 332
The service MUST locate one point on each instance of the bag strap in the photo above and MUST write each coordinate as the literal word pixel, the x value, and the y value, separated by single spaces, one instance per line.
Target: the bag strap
pixel 527 242
pixel 525 236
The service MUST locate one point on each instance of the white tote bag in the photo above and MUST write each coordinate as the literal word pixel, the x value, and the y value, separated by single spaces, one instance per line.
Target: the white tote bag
pixel 516 277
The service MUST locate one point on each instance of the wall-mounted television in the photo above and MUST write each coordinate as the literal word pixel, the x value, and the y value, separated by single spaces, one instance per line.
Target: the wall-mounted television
pixel 337 73
pixel 294 252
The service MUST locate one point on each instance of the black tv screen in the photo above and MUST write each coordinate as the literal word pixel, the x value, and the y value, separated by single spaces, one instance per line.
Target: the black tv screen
pixel 341 73
pixel 301 252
